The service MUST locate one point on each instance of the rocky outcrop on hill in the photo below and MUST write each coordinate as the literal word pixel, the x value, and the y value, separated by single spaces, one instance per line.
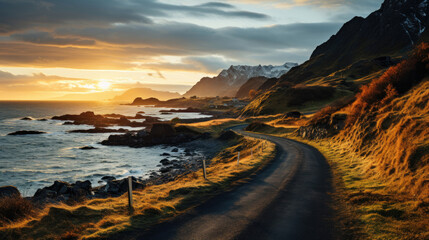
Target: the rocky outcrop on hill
pixel 326 127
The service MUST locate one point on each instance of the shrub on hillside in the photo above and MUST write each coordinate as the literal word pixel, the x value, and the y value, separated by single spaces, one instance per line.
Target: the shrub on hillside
pixel 396 80
pixel 252 94
pixel 14 208
pixel 388 126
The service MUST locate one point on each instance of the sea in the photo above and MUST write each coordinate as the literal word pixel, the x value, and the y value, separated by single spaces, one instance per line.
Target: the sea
pixel 30 162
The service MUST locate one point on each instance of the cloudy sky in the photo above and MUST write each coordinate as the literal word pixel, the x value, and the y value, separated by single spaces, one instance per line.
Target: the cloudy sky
pixel 49 48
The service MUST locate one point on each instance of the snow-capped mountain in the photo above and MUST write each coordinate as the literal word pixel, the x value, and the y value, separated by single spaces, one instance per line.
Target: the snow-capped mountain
pixel 230 80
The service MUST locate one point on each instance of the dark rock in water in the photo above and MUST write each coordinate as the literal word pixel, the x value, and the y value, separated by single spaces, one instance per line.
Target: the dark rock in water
pixel 27 118
pixel 59 187
pixel 63 191
pixel 165 154
pixel 160 130
pixel 26 132
pixel 175 150
pixel 9 191
pixel 113 115
pixel 42 120
pixel 165 169
pixel 148 101
pixel 161 133
pixel 228 135
pixel 98 130
pixel 165 162
pixel 127 139
pixel 43 195
pixel 187 110
pixel 108 178
pixel 88 148
pixel 188 154
pixel 81 188
pixel 118 187
pixel 89 118
pixel 68 123
pixel 293 114
pixel 141 112
pixel 142 133
pixel 166 113
pixel 150 119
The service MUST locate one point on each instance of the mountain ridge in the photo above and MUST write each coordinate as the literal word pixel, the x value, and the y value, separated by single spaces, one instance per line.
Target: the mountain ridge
pixel 368 45
pixel 367 38
pixel 228 82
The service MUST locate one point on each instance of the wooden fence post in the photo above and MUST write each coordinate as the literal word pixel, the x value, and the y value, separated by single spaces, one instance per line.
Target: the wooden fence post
pixel 204 169
pixel 130 194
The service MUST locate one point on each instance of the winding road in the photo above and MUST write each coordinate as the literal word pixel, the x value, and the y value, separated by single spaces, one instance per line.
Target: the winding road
pixel 288 199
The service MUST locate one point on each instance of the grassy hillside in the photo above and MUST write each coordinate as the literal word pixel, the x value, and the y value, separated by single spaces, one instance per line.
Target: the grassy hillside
pixel 380 158
pixel 311 95
pixel 301 98
pixel 389 125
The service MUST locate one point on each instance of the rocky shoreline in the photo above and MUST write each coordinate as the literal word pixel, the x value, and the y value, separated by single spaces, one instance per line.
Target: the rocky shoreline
pixel 174 163
pixel 195 145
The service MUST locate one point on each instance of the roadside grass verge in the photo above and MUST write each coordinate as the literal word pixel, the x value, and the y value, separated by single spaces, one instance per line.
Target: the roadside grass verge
pixel 366 208
pixel 110 217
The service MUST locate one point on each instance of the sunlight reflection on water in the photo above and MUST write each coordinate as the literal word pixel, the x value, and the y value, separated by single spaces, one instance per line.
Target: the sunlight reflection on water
pixel 34 161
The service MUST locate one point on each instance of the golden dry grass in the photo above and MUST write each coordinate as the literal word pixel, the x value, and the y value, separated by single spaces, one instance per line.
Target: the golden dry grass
pixel 367 207
pixel 380 168
pixel 14 208
pixel 98 218
pixel 394 142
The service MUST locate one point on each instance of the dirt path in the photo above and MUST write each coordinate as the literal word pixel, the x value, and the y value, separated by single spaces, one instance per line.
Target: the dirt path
pixel 289 199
